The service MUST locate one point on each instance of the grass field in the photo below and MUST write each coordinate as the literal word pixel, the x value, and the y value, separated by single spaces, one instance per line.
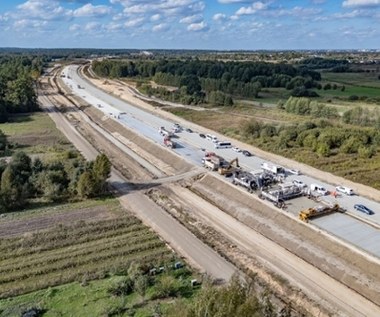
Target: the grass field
pixel 35 133
pixel 73 252
pixel 93 299
pixel 356 79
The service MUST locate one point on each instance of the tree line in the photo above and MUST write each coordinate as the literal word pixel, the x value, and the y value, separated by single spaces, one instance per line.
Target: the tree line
pixel 23 179
pixel 319 136
pixel 201 78
pixel 17 76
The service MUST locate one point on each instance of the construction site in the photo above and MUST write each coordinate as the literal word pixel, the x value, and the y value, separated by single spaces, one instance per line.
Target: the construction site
pixel 261 220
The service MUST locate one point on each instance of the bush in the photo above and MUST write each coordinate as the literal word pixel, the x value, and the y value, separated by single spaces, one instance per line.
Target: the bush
pixel 353 98
pixel 122 288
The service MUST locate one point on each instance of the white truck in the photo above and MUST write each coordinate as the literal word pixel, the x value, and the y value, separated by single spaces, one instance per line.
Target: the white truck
pixel 319 189
pixel 274 169
pixel 165 132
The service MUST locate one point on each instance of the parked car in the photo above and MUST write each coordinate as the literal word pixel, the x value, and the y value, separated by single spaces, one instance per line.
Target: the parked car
pixel 344 190
pixel 236 149
pixel 246 153
pixel 299 183
pixel 202 135
pixel 189 130
pixel 364 209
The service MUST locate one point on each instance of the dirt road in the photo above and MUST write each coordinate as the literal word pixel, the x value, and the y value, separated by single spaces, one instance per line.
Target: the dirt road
pixel 180 239
pixel 316 284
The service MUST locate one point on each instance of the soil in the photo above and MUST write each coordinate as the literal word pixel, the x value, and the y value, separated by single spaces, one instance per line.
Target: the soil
pixel 20 227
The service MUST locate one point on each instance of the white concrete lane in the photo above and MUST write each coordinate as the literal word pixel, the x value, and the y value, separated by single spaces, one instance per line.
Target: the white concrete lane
pixel 191 145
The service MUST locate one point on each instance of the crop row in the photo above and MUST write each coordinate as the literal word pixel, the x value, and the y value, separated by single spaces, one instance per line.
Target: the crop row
pixel 93 270
pixel 72 241
pixel 78 260
pixel 47 257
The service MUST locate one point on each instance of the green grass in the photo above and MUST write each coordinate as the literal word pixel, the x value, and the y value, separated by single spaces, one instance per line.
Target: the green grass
pixel 109 203
pixel 357 79
pixel 349 91
pixel 35 133
pixel 93 299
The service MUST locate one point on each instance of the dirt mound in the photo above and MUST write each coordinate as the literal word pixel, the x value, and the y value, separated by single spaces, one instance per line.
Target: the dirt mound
pixel 332 258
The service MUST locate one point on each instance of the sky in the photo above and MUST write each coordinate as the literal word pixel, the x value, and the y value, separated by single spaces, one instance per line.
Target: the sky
pixel 191 24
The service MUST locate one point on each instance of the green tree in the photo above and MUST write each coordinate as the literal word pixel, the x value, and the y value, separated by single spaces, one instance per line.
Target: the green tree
pixel 86 185
pixel 101 171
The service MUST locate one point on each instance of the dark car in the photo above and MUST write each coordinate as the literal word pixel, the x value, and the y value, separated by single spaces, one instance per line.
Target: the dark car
pixel 202 135
pixel 189 130
pixel 364 209
pixel 246 153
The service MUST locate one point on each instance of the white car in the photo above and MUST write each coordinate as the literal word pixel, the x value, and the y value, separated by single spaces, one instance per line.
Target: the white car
pixel 236 149
pixel 299 183
pixel 293 171
pixel 344 190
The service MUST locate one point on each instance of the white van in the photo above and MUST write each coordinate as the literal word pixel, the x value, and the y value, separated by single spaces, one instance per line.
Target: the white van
pixel 223 145
pixel 319 189
pixel 344 190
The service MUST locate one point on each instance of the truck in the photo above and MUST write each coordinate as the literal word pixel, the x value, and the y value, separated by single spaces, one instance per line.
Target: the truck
pixel 165 132
pixel 169 142
pixel 228 168
pixel 319 189
pixel 246 180
pixel 274 169
pixel 318 211
pixel 213 162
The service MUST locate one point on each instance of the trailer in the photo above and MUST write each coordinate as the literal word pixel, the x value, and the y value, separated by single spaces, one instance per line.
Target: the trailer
pixel 284 192
pixel 273 169
pixel 213 162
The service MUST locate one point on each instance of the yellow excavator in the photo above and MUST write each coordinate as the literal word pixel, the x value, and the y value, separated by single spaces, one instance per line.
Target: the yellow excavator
pixel 229 168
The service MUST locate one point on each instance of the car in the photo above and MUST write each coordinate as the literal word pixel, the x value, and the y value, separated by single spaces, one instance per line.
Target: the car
pixel 344 190
pixel 189 130
pixel 202 135
pixel 364 209
pixel 293 171
pixel 236 149
pixel 299 183
pixel 246 153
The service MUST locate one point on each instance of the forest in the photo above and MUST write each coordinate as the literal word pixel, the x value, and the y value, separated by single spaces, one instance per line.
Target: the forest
pixel 17 80
pixel 213 82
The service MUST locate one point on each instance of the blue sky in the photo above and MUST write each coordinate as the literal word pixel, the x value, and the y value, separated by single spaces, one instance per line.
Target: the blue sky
pixel 191 24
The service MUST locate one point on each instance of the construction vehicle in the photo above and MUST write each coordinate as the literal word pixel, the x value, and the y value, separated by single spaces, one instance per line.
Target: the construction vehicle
pixel 284 192
pixel 246 180
pixel 169 142
pixel 228 168
pixel 318 211
pixel 213 162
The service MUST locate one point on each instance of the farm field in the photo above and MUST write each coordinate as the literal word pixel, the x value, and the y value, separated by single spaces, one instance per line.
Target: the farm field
pixel 76 251
pixel 362 79
pixel 98 297
pixel 35 134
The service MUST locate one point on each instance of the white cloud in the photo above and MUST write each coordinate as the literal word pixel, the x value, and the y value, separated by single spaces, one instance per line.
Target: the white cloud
pixel 202 26
pixel 28 24
pixel 232 1
pixel 42 9
pixel 252 9
pixel 160 27
pixel 219 17
pixel 74 27
pixel 89 10
pixel 155 17
pixel 360 3
pixel 192 19
pixel 92 26
pixel 134 22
